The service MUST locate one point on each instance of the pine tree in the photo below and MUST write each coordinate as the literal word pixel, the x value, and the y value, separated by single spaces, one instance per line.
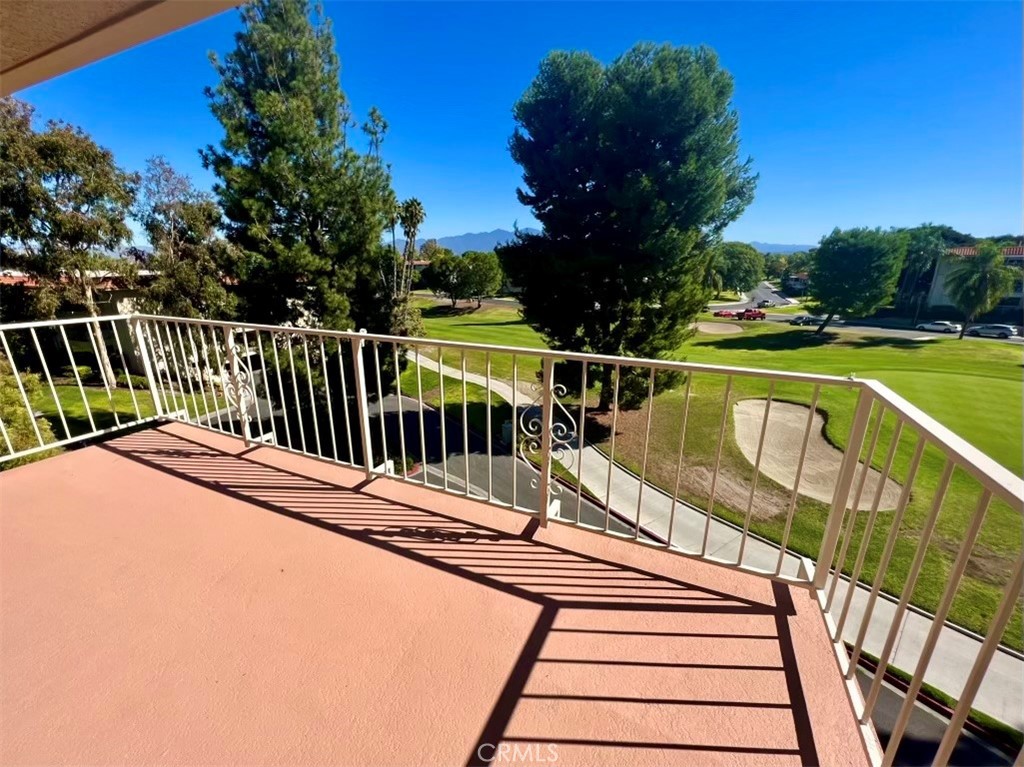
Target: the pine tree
pixel 633 169
pixel 306 208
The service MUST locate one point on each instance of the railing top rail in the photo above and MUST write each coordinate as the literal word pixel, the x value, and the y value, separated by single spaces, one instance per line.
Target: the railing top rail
pixel 782 375
pixel 67 321
pixel 990 474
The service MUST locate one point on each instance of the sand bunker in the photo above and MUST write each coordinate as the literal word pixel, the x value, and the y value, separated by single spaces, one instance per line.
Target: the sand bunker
pixel 718 328
pixel 783 439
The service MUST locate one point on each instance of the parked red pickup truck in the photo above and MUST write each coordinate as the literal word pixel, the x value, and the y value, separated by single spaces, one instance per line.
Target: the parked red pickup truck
pixel 750 314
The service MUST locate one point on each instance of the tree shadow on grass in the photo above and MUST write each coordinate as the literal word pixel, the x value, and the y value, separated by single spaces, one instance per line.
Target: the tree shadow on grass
pixel 446 310
pixel 795 340
pixel 790 340
pixel 890 341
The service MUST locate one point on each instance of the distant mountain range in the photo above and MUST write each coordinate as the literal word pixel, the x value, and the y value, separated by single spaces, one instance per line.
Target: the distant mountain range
pixel 460 243
pixel 773 247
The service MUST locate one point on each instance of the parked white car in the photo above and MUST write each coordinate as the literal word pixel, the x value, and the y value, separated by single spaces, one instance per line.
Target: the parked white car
pixel 993 331
pixel 940 326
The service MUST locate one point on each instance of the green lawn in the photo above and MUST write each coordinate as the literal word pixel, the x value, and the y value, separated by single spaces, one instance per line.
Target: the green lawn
pixel 726 297
pixel 499 326
pixel 972 388
pixel 943 377
pixel 100 405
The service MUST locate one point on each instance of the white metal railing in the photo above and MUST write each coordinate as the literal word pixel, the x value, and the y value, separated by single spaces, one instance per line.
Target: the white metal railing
pixel 514 427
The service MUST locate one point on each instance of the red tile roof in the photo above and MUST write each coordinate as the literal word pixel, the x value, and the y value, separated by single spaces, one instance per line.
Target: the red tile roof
pixel 970 250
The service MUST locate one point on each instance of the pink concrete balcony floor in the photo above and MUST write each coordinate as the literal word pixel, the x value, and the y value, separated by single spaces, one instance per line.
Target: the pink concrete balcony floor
pixel 172 598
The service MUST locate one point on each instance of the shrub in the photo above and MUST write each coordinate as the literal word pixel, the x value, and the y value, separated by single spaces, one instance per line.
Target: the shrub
pixel 138 382
pixel 17 420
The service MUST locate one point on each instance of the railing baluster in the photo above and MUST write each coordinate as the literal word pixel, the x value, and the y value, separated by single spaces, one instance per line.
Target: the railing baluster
pixel 679 460
pixel 981 664
pixel 327 395
pixel 103 373
pixel 49 381
pixel 811 410
pixel 515 428
pixel 869 526
pixel 124 366
pixel 255 390
pixel 841 496
pixel 312 396
pixel 718 466
pixel 100 355
pixel 177 370
pixel 401 411
pixel 167 365
pixel 611 450
pixel 344 397
pixel 757 473
pixel 580 441
pixel 78 378
pixel 380 407
pixel 938 622
pixel 164 405
pixel 200 369
pixel 643 463
pixel 465 423
pixel 188 368
pixel 295 394
pixel 854 507
pixel 21 388
pixel 141 349
pixel 220 376
pixel 280 388
pixel 490 468
pixel 7 439
pixel 258 340
pixel 362 403
pixel 444 439
pixel 908 589
pixel 208 363
pixel 547 422
pixel 235 388
pixel 419 401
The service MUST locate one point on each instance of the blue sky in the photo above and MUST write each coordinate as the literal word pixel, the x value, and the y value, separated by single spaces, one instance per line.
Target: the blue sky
pixel 855 114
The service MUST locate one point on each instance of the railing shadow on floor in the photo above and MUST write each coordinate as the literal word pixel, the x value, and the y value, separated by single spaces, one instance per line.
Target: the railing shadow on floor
pixel 562 582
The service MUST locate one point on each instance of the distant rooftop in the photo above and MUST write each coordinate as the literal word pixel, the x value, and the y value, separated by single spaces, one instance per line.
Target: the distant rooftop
pixel 970 250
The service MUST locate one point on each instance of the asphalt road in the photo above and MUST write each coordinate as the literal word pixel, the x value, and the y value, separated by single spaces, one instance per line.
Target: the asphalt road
pixel 506 475
pixel 924 733
pixel 764 292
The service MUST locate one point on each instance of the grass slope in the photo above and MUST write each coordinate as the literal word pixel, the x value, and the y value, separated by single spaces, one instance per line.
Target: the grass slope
pixel 972 388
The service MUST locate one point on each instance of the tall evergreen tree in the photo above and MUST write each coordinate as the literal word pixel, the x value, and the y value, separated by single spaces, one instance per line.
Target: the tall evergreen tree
pixel 306 208
pixel 633 169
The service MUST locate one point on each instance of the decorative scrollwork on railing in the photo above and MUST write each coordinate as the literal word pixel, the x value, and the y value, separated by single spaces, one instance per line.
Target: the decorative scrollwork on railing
pixel 239 388
pixel 531 439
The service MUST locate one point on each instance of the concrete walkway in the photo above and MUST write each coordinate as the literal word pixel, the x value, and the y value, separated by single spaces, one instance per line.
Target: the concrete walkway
pixel 1002 692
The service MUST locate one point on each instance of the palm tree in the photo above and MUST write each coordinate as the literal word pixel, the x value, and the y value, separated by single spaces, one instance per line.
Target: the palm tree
pixel 977 283
pixel 411 216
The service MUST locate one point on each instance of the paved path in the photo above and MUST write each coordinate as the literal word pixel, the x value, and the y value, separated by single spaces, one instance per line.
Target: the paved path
pixel 1002 692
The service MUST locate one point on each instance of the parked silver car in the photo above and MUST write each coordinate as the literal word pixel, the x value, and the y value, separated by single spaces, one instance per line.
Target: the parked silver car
pixel 993 331
pixel 940 326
